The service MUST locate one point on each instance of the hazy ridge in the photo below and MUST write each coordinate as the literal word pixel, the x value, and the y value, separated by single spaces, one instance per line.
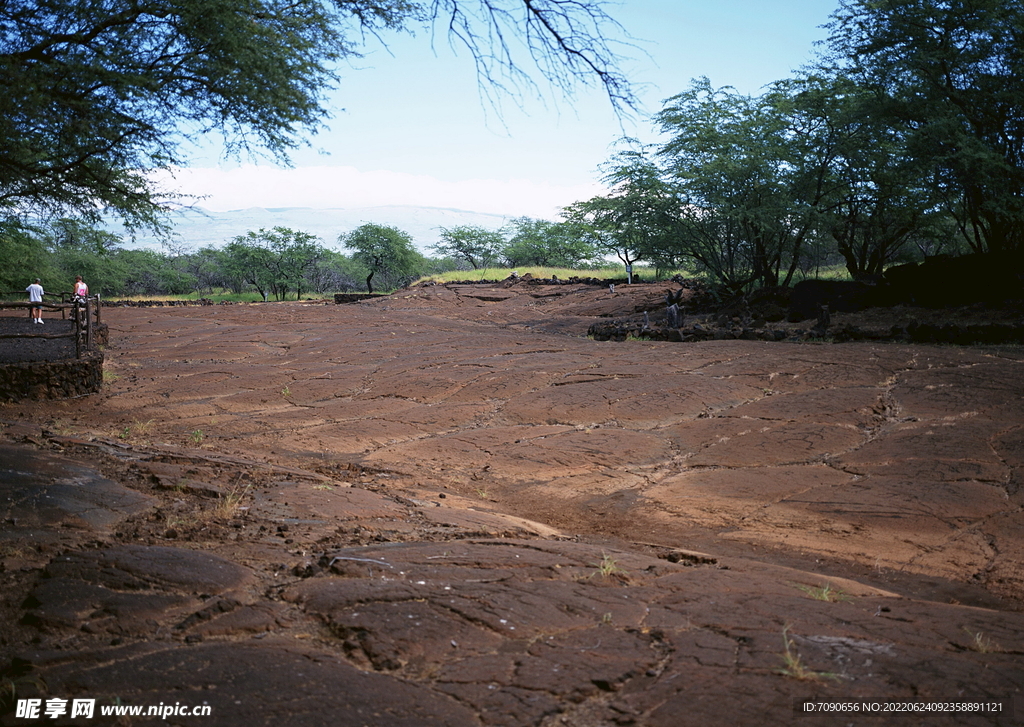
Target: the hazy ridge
pixel 197 227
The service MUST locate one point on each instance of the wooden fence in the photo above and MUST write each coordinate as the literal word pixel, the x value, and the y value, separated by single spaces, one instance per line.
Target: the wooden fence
pixel 84 312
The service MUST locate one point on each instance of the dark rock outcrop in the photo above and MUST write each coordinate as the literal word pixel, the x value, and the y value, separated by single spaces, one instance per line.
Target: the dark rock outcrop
pixel 845 296
pixel 943 281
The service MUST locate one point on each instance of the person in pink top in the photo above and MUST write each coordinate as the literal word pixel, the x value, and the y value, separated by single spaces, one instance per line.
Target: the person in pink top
pixel 81 289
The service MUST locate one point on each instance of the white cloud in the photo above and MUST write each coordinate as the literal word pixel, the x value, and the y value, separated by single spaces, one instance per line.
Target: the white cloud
pixel 343 187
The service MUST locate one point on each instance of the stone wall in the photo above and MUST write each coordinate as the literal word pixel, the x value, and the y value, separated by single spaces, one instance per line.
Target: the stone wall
pixel 62 379
pixel 914 332
pixel 341 298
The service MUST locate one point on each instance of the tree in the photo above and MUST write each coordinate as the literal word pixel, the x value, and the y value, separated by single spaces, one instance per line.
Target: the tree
pixel 600 220
pixel 386 251
pixel 335 272
pixel 24 257
pixel 749 185
pixel 639 219
pixel 872 194
pixel 547 244
pixel 175 277
pixel 204 265
pixel 950 75
pixel 475 245
pixel 99 94
pixel 81 249
pixel 144 272
pixel 273 261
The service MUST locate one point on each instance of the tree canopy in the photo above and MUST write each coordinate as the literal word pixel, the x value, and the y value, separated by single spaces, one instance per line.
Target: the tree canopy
pixel 273 261
pixel 950 75
pixel 385 251
pixel 100 93
pixel 905 138
pixel 475 245
pixel 547 244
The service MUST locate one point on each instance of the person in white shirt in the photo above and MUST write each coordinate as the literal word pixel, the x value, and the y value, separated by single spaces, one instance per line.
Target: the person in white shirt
pixel 81 289
pixel 35 295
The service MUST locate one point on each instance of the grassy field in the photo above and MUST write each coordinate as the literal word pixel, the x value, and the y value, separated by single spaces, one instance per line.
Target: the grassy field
pixel 640 274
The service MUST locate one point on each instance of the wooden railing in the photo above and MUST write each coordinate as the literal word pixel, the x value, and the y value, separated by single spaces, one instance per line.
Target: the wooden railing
pixel 84 312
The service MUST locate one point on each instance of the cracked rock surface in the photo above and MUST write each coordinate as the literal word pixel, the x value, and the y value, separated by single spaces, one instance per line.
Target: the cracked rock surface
pixel 449 507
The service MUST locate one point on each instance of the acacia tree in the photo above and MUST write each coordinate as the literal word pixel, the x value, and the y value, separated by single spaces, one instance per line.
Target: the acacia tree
pixel 639 219
pixel 547 244
pixel 753 172
pixel 950 75
pixel 23 252
pixel 476 245
pixel 727 158
pixel 872 195
pixel 384 250
pixel 99 94
pixel 145 272
pixel 272 261
pixel 80 249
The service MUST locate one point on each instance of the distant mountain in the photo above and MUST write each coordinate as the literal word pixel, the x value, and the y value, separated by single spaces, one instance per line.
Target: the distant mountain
pixel 196 227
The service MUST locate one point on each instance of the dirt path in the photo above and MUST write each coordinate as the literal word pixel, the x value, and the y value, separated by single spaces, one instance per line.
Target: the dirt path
pixel 454 503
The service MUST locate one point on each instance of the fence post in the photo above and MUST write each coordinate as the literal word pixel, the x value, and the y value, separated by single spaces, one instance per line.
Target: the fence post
pixel 76 322
pixel 88 323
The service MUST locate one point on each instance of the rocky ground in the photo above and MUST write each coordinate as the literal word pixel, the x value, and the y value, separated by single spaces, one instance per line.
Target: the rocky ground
pixel 450 507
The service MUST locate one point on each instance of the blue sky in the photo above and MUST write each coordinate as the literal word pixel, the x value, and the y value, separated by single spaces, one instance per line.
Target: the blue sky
pixel 410 126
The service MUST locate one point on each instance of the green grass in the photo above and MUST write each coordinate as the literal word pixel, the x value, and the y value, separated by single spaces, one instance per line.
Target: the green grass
pixel 11 689
pixel 794 666
pixel 138 428
pixel 825 593
pixel 608 566
pixel 616 272
pixel 825 272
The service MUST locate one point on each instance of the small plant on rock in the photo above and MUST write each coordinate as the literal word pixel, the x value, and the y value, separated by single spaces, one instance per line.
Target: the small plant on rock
pixel 135 428
pixel 10 688
pixel 608 566
pixel 825 593
pixel 981 643
pixel 228 505
pixel 794 666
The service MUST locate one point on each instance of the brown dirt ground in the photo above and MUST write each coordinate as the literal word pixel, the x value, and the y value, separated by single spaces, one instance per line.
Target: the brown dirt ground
pixel 448 506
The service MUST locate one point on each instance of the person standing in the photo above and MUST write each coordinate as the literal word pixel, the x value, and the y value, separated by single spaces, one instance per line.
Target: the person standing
pixel 35 295
pixel 81 289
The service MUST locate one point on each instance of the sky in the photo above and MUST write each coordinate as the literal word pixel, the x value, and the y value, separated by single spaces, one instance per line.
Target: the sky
pixel 410 126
